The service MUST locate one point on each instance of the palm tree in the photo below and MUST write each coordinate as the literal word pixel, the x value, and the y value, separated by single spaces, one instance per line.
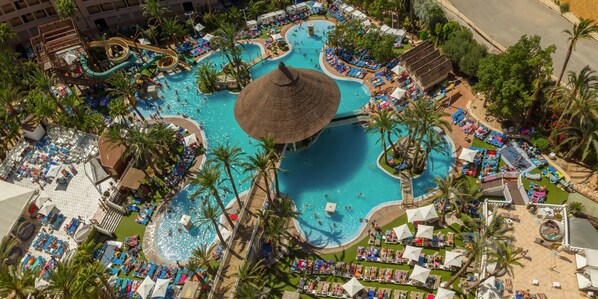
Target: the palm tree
pixel 467 192
pixel 259 166
pixel 9 94
pixel 254 9
pixel 44 81
pixel 285 208
pixel 154 11
pixel 211 214
pixel 584 107
pixel 445 189
pixel 269 145
pixel 85 253
pixel 63 280
pixel 6 33
pixel 6 247
pixel 142 144
pixel 208 179
pixel 580 31
pixel 201 253
pixel 422 118
pixel 250 272
pixel 14 281
pixel 496 231
pixel 581 139
pixel 577 83
pixel 206 76
pixel 385 123
pixel 229 157
pixel 226 39
pixel 122 88
pixel 506 257
pixel 92 281
pixel 172 29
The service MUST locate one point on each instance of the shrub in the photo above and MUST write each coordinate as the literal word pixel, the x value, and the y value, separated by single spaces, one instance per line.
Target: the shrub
pixel 575 208
pixel 564 7
pixel 106 194
pixel 541 143
pixel 423 35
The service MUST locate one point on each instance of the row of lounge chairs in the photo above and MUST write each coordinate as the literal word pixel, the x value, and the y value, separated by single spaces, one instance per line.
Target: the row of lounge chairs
pixel 391 256
pixel 335 290
pixel 439 240
pixel 50 244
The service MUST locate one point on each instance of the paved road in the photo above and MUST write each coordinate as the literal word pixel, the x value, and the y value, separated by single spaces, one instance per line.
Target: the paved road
pixel 507 20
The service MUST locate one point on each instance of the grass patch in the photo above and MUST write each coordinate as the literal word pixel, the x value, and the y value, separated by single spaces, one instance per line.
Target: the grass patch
pixel 555 195
pixel 402 50
pixel 287 281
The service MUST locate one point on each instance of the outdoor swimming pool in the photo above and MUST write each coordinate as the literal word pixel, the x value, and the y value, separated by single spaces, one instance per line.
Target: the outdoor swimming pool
pixel 336 168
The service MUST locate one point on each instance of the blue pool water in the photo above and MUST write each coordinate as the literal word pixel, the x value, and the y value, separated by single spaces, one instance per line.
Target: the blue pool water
pixel 336 168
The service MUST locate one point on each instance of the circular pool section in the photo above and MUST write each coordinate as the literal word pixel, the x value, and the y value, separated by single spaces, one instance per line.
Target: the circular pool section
pixel 173 242
pixel 551 230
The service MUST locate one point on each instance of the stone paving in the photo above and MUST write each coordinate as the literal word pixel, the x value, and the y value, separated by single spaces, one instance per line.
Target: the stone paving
pixel 541 263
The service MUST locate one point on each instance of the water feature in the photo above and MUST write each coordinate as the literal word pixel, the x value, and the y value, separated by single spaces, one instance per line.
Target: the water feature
pixel 337 168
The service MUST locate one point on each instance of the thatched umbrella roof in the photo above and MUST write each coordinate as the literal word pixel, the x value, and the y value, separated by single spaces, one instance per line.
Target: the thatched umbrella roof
pixel 288 104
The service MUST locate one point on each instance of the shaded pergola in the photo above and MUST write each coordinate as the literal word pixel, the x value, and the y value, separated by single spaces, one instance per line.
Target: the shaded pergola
pixel 290 105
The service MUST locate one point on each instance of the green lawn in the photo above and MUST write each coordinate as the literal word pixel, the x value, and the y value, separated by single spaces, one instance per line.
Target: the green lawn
pixel 402 50
pixel 286 281
pixel 555 195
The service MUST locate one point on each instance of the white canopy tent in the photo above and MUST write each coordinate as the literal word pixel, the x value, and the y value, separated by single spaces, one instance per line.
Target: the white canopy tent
pixel 398 93
pixel 199 27
pixel 488 289
pixel 161 287
pixel 109 251
pixel 412 252
pixel 69 57
pixel 353 286
pixel 173 127
pixel 424 213
pixel 53 171
pixel 266 18
pixel 468 154
pixel 403 232
pixel 444 294
pixel 276 37
pixel 191 139
pixel 366 23
pixel 251 24
pixel 348 10
pixel 420 273
pixel 47 208
pixel 428 212
pixel 317 5
pixel 40 201
pixel 453 258
pixel 208 37
pixel 302 7
pixel 145 287
pixel 359 15
pixel 397 69
pixel 425 231
pixel 384 28
pixel 280 14
pixel 291 9
pixel 144 41
pixel 589 259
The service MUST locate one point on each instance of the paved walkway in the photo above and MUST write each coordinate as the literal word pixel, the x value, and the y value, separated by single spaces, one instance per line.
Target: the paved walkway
pixel 506 21
pixel 225 284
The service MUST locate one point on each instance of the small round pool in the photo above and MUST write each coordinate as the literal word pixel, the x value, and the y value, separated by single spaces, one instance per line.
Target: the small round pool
pixel 551 230
pixel 173 241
